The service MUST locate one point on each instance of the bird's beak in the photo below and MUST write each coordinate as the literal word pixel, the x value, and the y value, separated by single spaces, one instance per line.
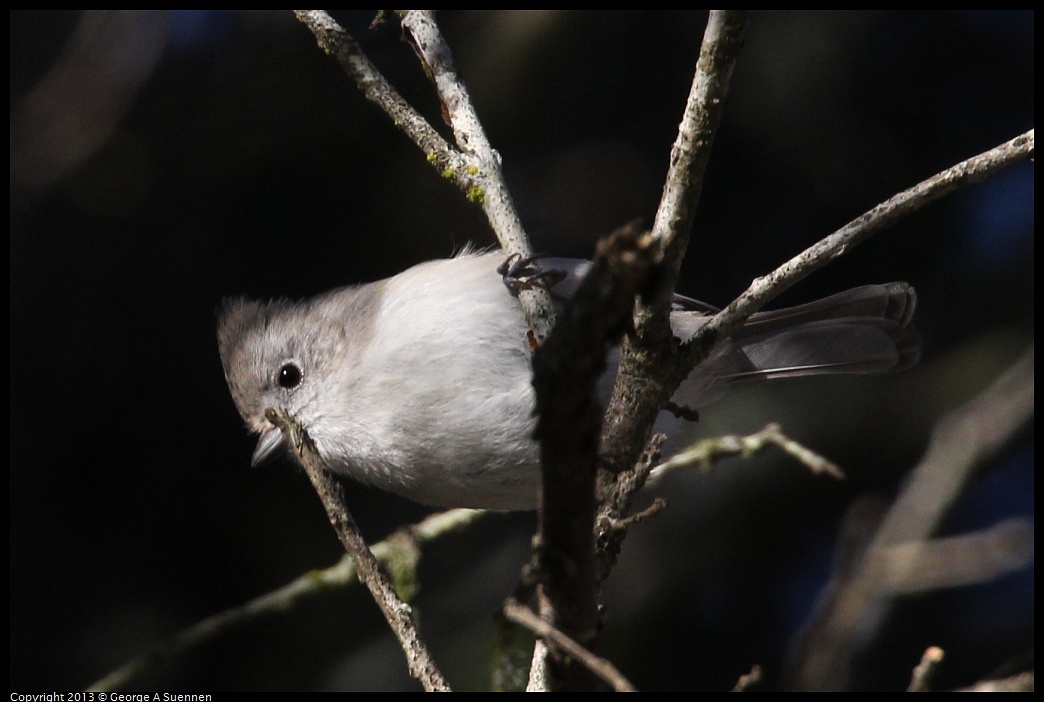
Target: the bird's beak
pixel 271 444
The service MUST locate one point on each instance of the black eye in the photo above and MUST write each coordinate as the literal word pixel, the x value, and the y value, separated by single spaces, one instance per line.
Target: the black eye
pixel 289 376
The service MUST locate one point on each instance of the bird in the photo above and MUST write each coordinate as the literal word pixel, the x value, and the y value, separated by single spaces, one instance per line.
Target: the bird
pixel 420 384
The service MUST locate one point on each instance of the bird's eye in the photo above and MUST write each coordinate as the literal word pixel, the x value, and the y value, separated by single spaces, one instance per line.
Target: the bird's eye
pixel 289 376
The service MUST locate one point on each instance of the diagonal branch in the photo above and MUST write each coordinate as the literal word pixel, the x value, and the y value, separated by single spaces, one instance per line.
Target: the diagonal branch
pixel 861 595
pixel 520 614
pixel 335 41
pixel 483 161
pixel 707 452
pixel 645 380
pixel 763 289
pixel 474 167
pixel 398 614
pixel 339 575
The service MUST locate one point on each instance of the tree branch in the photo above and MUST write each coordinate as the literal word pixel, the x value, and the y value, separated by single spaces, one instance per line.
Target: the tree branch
pixel 629 415
pixel 634 408
pixel 395 611
pixel 566 370
pixel 921 678
pixel 483 161
pixel 709 451
pixel 474 166
pixel 339 575
pixel 643 383
pixel 763 289
pixel 1022 682
pixel 601 667
pixel 861 595
pixel 335 41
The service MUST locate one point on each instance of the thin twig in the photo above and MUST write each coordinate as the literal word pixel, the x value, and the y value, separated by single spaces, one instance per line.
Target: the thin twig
pixel 921 679
pixel 335 41
pixel 398 614
pixel 709 451
pixel 472 143
pixel 1022 682
pixel 749 680
pixel 955 561
pixel 601 667
pixel 474 167
pixel 763 289
pixel 860 596
pixel 690 154
pixel 653 359
pixel 612 524
pixel 657 506
pixel 483 161
pixel 623 413
pixel 340 575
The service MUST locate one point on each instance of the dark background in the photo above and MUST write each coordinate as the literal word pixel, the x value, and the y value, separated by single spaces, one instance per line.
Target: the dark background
pixel 163 160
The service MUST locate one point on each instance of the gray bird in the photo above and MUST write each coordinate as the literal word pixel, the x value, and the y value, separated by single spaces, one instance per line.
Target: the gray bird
pixel 420 383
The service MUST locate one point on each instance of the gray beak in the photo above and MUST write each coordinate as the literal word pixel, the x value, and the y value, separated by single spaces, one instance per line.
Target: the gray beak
pixel 271 444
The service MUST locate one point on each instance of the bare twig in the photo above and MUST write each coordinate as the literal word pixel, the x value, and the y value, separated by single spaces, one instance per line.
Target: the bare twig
pixel 954 561
pixel 708 451
pixel 959 442
pixel 1023 682
pixel 921 679
pixel 601 667
pixel 651 357
pixel 645 359
pixel 762 290
pixel 748 680
pixel 472 143
pixel 657 506
pixel 338 43
pixel 642 386
pixel 704 108
pixel 860 596
pixel 611 525
pixel 340 575
pixel 483 161
pixel 396 612
pixel 473 166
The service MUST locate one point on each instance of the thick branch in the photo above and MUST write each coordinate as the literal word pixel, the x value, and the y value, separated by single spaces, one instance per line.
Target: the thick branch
pixel 566 370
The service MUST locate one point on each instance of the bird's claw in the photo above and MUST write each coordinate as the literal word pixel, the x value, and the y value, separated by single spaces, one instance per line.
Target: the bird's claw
pixel 520 273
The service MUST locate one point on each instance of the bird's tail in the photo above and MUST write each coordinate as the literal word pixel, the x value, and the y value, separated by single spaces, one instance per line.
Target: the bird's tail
pixel 863 330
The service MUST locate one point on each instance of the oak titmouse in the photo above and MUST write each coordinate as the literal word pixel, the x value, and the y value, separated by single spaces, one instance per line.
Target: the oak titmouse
pixel 420 383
